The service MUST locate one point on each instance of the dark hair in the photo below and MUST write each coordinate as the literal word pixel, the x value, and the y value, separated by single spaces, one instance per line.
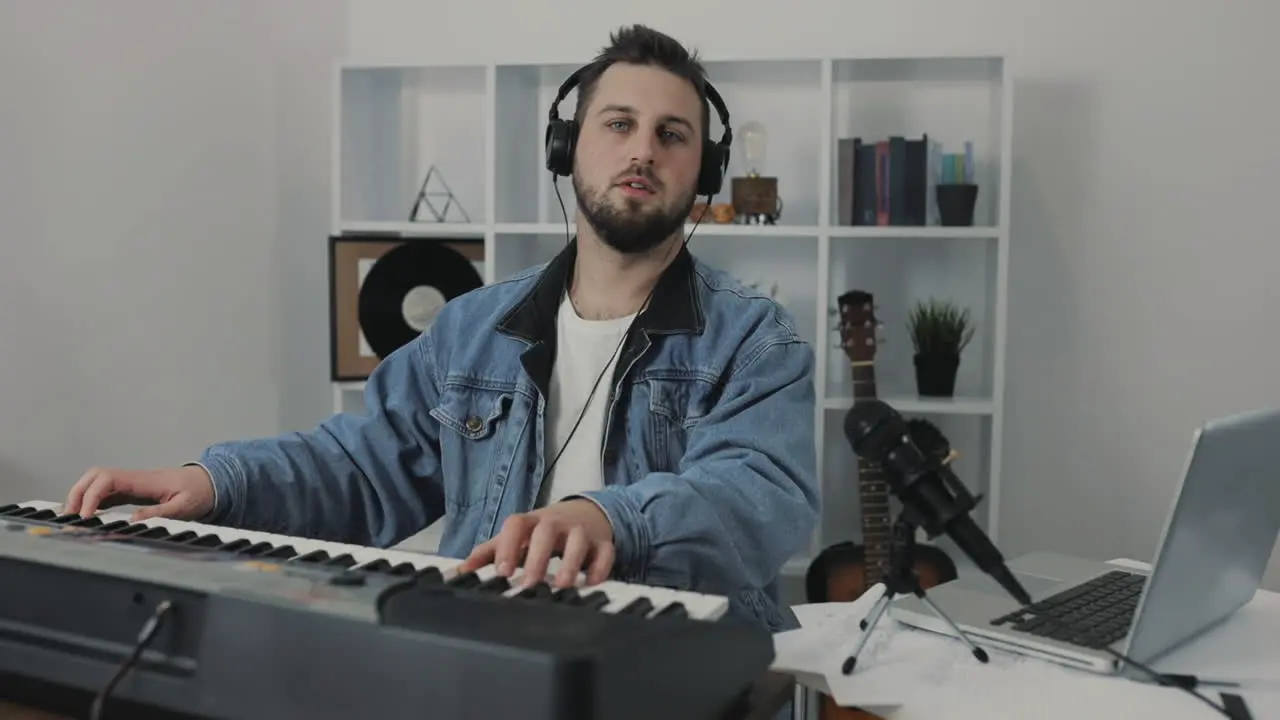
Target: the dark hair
pixel 641 45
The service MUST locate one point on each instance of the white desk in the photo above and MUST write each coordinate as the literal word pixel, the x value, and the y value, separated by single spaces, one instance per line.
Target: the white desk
pixel 1245 649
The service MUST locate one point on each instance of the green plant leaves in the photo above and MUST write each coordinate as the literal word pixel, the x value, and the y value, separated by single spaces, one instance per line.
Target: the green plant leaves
pixel 939 327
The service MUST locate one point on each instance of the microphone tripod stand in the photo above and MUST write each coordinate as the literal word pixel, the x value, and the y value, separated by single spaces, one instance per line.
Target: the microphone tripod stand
pixel 900 580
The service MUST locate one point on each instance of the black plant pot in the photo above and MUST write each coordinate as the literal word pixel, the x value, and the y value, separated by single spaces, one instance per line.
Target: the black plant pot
pixel 956 204
pixel 936 374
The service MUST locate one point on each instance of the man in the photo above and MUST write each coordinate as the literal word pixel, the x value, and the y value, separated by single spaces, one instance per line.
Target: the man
pixel 624 407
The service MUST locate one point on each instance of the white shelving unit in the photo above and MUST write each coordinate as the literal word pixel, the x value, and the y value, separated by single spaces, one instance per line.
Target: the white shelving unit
pixel 482 126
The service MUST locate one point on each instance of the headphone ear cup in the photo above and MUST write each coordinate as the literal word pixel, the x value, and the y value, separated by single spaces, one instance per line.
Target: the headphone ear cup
pixel 562 135
pixel 715 162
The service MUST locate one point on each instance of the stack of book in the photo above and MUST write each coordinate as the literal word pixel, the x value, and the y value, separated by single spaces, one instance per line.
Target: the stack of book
pixel 893 181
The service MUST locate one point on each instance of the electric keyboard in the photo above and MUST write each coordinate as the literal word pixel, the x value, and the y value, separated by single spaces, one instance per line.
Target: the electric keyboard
pixel 273 626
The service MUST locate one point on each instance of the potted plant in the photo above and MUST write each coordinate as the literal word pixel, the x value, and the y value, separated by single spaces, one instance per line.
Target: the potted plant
pixel 940 330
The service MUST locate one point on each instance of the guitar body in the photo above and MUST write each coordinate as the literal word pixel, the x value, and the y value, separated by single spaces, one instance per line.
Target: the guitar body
pixel 845 571
pixel 841 574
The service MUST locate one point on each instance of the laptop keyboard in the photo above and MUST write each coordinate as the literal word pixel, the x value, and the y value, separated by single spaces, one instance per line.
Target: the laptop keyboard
pixel 1094 614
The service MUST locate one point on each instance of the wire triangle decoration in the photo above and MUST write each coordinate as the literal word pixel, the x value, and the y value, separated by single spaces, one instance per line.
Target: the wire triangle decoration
pixel 444 196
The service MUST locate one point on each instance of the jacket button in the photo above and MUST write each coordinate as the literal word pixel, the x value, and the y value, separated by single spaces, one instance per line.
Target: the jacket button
pixel 474 423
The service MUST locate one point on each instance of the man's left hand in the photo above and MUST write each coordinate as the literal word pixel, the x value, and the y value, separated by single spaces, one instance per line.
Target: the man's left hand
pixel 576 530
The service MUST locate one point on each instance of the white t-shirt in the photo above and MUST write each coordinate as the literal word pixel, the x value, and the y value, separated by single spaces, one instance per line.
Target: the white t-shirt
pixel 584 348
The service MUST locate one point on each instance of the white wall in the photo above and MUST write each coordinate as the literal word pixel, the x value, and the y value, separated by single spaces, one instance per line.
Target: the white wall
pixel 1145 241
pixel 308 35
pixel 163 208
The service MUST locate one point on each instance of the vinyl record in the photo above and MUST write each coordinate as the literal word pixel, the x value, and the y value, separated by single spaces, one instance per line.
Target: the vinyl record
pixel 406 288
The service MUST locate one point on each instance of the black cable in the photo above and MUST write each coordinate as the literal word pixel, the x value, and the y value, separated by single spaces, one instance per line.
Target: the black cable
pixel 596 385
pixel 1183 682
pixel 145 636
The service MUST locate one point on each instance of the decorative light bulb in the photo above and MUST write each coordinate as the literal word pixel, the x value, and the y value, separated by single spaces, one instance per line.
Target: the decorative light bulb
pixel 755 141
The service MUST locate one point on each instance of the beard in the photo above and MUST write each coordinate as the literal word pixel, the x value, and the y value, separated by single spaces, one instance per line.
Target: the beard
pixel 633 227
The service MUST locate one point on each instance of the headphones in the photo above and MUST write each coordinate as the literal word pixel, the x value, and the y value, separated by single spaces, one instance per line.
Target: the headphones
pixel 562 138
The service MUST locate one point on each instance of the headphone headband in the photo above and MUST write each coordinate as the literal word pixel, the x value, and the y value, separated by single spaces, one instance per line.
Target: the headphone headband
pixel 562 137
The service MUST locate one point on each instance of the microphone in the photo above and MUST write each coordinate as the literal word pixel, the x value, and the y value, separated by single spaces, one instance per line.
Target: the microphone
pixel 935 498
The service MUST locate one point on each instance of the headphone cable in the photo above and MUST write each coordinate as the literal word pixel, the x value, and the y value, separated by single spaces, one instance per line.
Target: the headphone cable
pixel 621 342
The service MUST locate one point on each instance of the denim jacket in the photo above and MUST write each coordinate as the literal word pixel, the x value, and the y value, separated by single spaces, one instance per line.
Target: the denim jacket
pixel 708 456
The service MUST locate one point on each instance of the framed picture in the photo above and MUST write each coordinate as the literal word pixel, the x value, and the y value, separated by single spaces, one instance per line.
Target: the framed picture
pixel 412 278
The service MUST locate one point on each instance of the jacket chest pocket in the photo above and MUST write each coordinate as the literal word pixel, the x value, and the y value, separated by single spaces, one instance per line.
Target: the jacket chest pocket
pixel 475 449
pixel 675 408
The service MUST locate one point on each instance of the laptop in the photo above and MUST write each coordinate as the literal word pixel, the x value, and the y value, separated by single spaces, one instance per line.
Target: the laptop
pixel 1213 552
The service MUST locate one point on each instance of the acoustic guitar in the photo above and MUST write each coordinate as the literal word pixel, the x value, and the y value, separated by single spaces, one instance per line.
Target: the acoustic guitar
pixel 845 571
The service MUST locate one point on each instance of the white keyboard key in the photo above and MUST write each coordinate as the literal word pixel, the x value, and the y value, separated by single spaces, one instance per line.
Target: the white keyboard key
pixel 361 554
pixel 41 505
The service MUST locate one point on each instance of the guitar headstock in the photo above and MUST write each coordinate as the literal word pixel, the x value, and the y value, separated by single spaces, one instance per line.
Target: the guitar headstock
pixel 858 326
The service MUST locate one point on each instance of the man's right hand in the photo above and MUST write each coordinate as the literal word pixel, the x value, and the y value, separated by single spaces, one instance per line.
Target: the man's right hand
pixel 183 493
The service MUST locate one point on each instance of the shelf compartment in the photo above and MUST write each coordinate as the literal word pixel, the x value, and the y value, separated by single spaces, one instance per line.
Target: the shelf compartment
pixel 397 123
pixel 950 101
pixel 898 274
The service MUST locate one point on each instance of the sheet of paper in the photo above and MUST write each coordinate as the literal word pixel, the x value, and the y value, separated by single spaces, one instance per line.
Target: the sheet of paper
pixel 812 648
pixel 828 634
pixel 900 664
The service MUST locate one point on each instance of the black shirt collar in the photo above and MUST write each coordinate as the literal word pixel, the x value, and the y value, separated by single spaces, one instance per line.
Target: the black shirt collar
pixel 674 307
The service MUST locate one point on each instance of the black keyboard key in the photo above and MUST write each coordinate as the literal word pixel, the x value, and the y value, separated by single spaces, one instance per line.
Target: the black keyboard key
pixel 315 556
pixel 569 595
pixel 23 512
pixel 46 514
pixel 466 580
pixel 86 522
pixel 133 529
pixel 540 591
pixel 344 560
pixel 429 576
pixel 383 565
pixel 257 549
pixel 284 552
pixel 639 606
pixel 675 609
pixel 10 509
pixel 596 600
pixel 184 536
pixel 115 526
pixel 155 533
pixel 66 519
pixel 496 584
pixel 234 546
